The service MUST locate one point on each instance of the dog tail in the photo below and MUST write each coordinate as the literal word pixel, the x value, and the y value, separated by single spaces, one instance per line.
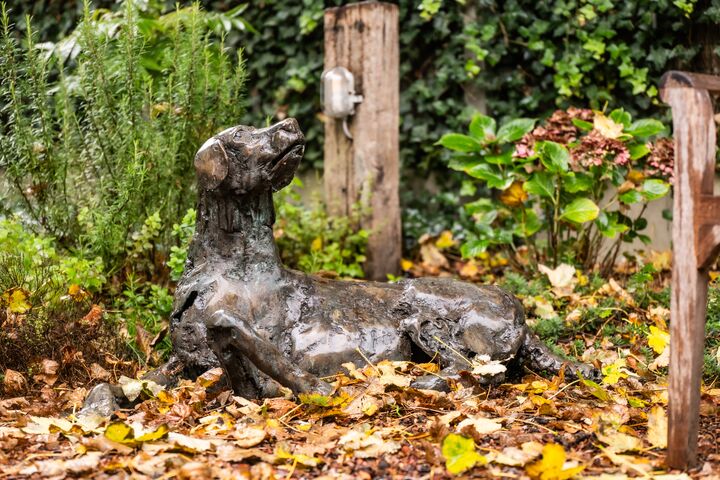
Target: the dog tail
pixel 538 357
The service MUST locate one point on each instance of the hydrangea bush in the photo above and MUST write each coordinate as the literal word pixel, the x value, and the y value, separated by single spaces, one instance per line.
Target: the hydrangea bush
pixel 563 189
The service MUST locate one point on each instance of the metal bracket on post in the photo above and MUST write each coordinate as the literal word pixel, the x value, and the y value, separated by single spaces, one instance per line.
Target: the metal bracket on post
pixel 337 95
pixel 696 242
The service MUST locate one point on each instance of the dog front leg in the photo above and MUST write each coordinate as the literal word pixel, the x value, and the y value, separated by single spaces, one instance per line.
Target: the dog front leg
pixel 227 331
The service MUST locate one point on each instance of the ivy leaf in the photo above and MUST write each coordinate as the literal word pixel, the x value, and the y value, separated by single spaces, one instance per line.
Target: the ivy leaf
pixel 653 189
pixel 460 143
pixel 554 156
pixel 482 127
pixel 540 184
pixel 645 128
pixel 460 455
pixel 580 210
pixel 515 129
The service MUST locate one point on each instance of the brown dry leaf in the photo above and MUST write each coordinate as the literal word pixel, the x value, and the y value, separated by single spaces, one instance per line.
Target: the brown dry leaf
pixel 431 257
pixel 94 316
pixel 562 278
pixel 50 468
pixel 194 471
pixel 365 442
pixel 48 372
pixel 14 382
pixel 518 457
pixel 210 378
pixel 246 436
pixel 143 339
pixel 481 425
pixel 99 373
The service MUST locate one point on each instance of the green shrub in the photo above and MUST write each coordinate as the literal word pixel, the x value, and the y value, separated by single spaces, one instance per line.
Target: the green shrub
pixel 45 301
pixel 563 187
pixel 101 128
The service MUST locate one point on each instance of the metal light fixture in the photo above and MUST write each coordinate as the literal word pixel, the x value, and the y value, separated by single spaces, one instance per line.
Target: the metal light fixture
pixel 337 95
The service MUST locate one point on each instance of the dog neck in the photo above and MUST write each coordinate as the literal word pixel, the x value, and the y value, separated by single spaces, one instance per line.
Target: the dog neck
pixel 237 231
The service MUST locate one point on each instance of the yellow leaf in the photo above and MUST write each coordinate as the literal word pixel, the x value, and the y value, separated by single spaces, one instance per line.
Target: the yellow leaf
pixel 606 126
pixel 552 465
pixel 316 244
pixel 406 264
pixel 636 176
pixel 614 372
pixel 514 195
pixel 658 339
pixel 18 302
pixel 121 432
pixel 460 455
pixel 657 427
pixel 445 240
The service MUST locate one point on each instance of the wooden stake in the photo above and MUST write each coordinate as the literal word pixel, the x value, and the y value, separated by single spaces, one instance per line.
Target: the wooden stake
pixel 363 37
pixel 696 239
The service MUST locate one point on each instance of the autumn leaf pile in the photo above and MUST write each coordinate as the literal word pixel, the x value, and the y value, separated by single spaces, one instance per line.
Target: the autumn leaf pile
pixel 374 424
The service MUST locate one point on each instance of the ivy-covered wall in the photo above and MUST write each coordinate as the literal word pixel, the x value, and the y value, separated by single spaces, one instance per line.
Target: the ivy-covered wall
pixel 512 57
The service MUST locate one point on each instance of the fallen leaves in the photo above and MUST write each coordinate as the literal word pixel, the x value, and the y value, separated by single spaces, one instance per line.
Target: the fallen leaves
pixel 460 454
pixel 552 465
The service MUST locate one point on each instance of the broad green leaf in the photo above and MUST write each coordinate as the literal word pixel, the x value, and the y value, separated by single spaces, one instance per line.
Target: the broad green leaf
pixel 541 184
pixel 638 150
pixel 460 454
pixel 645 128
pixel 608 225
pixel 482 127
pixel 532 222
pixel 580 210
pixel 482 210
pixel 515 129
pixel 505 158
pixel 474 247
pixel 491 174
pixel 462 162
pixel 652 189
pixel 582 124
pixel 460 143
pixel 554 156
pixel 621 116
pixel 577 182
pixel 630 197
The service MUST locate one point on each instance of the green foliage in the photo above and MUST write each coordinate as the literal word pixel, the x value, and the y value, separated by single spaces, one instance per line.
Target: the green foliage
pixel 312 241
pixel 570 180
pixel 146 305
pixel 183 233
pixel 44 294
pixel 102 127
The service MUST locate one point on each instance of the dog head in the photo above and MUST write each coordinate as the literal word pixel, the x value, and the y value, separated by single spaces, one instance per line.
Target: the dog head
pixel 242 159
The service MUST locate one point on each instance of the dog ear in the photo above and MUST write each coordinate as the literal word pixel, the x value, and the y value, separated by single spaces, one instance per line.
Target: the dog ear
pixel 211 164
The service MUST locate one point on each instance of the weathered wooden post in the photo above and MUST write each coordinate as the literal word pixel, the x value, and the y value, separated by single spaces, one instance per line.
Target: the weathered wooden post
pixel 363 38
pixel 696 239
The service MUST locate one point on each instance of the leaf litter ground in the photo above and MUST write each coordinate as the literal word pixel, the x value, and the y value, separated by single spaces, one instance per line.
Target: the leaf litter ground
pixel 375 425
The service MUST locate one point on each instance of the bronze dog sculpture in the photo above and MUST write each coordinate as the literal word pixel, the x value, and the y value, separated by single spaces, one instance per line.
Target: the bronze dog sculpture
pixel 237 306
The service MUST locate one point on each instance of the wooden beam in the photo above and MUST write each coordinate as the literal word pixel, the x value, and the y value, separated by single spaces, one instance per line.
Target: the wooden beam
pixel 363 37
pixel 694 132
